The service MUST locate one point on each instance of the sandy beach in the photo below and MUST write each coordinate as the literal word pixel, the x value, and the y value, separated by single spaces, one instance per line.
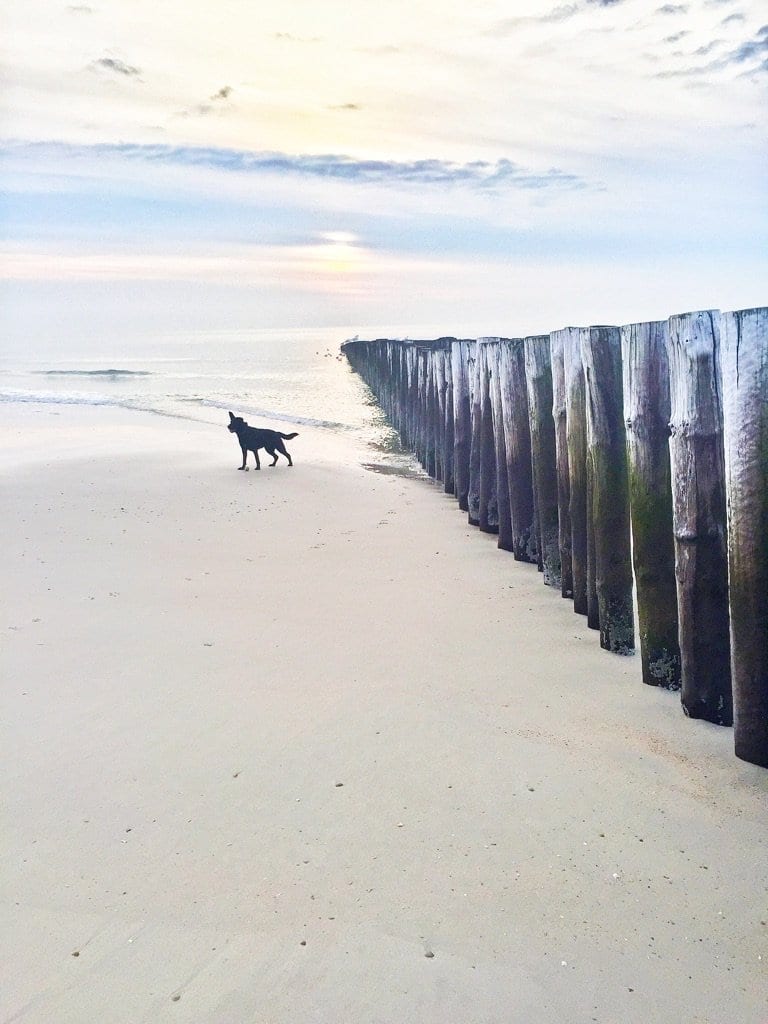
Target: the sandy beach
pixel 302 747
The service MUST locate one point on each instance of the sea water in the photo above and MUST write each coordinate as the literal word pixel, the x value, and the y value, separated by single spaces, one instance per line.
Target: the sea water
pixel 267 376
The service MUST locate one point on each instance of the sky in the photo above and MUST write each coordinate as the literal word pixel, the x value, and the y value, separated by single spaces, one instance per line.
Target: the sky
pixel 485 168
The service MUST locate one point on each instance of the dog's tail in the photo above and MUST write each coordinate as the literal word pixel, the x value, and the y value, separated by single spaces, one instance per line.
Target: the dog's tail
pixel 288 437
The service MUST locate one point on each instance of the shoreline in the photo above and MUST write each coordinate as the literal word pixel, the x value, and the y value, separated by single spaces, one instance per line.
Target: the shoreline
pixel 327 711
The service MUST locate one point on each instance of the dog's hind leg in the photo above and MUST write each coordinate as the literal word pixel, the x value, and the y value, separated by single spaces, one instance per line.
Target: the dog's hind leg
pixel 281 448
pixel 274 457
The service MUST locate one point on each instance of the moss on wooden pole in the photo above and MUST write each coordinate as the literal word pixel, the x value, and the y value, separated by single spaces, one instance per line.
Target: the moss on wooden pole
pixel 593 605
pixel 745 402
pixel 576 442
pixel 461 360
pixel 487 512
pixel 449 479
pixel 506 536
pixel 607 459
pixel 517 443
pixel 565 532
pixel 699 515
pixel 646 412
pixel 538 375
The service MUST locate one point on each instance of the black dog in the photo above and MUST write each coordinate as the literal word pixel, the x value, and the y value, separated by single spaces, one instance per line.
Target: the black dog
pixel 253 438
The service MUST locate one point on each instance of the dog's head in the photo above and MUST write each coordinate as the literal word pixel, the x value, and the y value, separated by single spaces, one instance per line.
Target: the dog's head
pixel 235 422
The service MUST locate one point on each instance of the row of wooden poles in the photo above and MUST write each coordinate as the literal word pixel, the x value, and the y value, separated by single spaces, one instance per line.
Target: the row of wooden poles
pixel 593 451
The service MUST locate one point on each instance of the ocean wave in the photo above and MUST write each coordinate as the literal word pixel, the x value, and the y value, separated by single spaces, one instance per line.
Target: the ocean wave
pixel 93 373
pixel 47 398
pixel 252 410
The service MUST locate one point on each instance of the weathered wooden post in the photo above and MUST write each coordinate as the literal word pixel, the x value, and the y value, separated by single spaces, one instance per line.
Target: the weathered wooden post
pixel 517 443
pixel 646 412
pixel 699 516
pixel 576 442
pixel 483 509
pixel 593 606
pixel 506 536
pixel 565 531
pixel 430 411
pixel 449 441
pixel 438 385
pixel 538 374
pixel 462 363
pixel 475 445
pixel 607 462
pixel 745 402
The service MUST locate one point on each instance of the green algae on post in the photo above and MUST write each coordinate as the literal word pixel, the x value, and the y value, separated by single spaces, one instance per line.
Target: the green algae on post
pixel 517 443
pixel 576 441
pixel 506 534
pixel 699 515
pixel 538 374
pixel 461 358
pixel 647 411
pixel 557 354
pixel 607 463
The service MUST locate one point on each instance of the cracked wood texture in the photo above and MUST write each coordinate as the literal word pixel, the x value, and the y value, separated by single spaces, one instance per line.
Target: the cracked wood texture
pixel 559 414
pixel 699 516
pixel 506 534
pixel 576 441
pixel 538 375
pixel 607 462
pixel 517 443
pixel 745 408
pixel 647 410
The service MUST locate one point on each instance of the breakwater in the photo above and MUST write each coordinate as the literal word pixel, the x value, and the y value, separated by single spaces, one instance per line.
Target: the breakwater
pixel 616 458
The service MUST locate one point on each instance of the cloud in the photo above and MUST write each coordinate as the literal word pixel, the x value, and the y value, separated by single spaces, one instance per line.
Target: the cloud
pixel 216 104
pixel 119 67
pixel 80 9
pixel 476 175
pixel 673 9
pixel 733 18
pixel 289 37
pixel 557 14
pixel 677 36
pixel 562 12
pixel 755 49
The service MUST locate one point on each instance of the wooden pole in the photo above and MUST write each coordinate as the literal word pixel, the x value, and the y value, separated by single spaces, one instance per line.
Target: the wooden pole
pixel 538 374
pixel 449 441
pixel 430 412
pixel 461 360
pixel 488 512
pixel 475 446
pixel 607 462
pixel 517 443
pixel 576 442
pixel 506 536
pixel 565 530
pixel 593 605
pixel 698 488
pixel 647 411
pixel 745 402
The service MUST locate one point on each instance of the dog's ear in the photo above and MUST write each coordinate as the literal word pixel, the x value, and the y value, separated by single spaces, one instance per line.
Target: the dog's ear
pixel 231 416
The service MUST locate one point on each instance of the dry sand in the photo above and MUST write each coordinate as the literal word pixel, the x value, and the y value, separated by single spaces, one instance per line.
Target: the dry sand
pixel 301 746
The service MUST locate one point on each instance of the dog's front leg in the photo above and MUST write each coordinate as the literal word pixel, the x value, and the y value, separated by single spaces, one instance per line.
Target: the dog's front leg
pixel 256 456
pixel 245 455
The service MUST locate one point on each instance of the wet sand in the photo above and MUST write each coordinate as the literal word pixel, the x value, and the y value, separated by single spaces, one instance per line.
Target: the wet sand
pixel 301 746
